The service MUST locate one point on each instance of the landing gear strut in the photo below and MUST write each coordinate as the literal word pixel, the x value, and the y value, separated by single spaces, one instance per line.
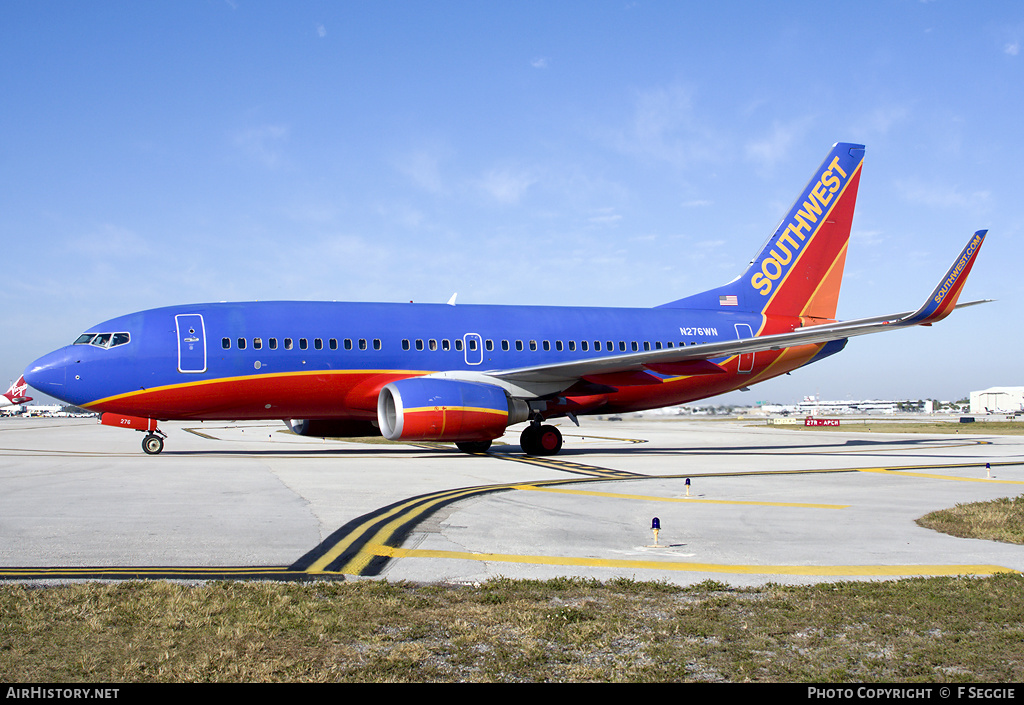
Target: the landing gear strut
pixel 540 440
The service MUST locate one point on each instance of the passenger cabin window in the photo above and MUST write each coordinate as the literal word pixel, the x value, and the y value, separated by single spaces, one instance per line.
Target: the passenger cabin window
pixel 333 343
pixel 257 343
pixel 225 343
pixel 272 343
pixel 241 343
pixel 318 344
pixel 287 343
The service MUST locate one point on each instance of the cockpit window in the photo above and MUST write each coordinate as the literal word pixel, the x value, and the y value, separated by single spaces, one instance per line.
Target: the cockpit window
pixel 104 340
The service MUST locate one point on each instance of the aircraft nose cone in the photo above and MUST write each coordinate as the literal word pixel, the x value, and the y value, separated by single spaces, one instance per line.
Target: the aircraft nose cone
pixel 48 374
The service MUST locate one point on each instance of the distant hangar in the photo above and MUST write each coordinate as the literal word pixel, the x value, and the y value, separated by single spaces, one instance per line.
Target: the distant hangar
pixel 1004 400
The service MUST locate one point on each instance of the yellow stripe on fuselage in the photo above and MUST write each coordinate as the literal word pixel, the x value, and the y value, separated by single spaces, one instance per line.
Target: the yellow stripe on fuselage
pixel 249 378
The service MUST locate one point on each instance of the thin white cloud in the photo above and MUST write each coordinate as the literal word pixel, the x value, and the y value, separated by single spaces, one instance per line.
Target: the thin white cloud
pixel 779 144
pixel 110 240
pixel 665 127
pixel 606 216
pixel 941 196
pixel 423 167
pixel 867 237
pixel 540 62
pixel 506 186
pixel 262 144
pixel 880 120
pixel 321 31
pixel 1012 49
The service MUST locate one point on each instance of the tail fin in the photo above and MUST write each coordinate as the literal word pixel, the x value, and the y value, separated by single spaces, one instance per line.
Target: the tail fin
pixel 16 394
pixel 799 269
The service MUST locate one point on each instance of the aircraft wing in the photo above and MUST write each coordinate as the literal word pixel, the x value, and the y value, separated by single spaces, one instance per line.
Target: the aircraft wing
pixel 697 359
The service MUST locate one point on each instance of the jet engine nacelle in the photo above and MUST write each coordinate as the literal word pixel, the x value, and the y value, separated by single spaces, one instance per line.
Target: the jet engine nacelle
pixel 434 409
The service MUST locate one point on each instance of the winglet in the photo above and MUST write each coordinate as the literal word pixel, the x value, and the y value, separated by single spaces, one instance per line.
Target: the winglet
pixel 943 300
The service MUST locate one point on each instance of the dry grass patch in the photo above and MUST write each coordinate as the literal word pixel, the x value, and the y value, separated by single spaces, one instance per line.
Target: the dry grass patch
pixel 560 630
pixel 998 520
pixel 991 428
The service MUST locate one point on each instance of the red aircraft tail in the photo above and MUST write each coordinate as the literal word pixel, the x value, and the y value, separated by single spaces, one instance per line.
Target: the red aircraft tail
pixel 16 394
pixel 799 269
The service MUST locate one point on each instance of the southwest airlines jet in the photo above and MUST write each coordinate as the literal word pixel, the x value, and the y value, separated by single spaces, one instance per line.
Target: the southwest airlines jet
pixel 463 374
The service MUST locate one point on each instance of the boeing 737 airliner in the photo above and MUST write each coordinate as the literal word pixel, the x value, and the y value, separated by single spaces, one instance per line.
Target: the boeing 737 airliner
pixel 463 374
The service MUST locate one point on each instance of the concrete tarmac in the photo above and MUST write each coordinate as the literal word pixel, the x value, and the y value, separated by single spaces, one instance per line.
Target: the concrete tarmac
pixel 763 504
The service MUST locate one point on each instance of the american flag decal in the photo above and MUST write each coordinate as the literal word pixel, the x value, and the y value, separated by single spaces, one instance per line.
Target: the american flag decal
pixel 729 300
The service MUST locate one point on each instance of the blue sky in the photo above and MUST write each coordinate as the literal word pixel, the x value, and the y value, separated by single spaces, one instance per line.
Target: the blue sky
pixel 577 153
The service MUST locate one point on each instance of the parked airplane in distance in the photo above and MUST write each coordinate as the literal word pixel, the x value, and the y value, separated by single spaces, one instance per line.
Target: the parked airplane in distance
pixel 16 394
pixel 464 373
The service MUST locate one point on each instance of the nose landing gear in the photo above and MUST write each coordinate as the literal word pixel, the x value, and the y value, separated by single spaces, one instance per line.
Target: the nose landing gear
pixel 153 443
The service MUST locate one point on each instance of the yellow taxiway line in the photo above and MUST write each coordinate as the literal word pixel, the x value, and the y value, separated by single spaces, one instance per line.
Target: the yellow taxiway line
pixel 817 570
pixel 693 500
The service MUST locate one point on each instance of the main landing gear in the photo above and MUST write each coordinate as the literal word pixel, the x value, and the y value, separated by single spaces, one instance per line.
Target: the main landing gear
pixel 540 440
